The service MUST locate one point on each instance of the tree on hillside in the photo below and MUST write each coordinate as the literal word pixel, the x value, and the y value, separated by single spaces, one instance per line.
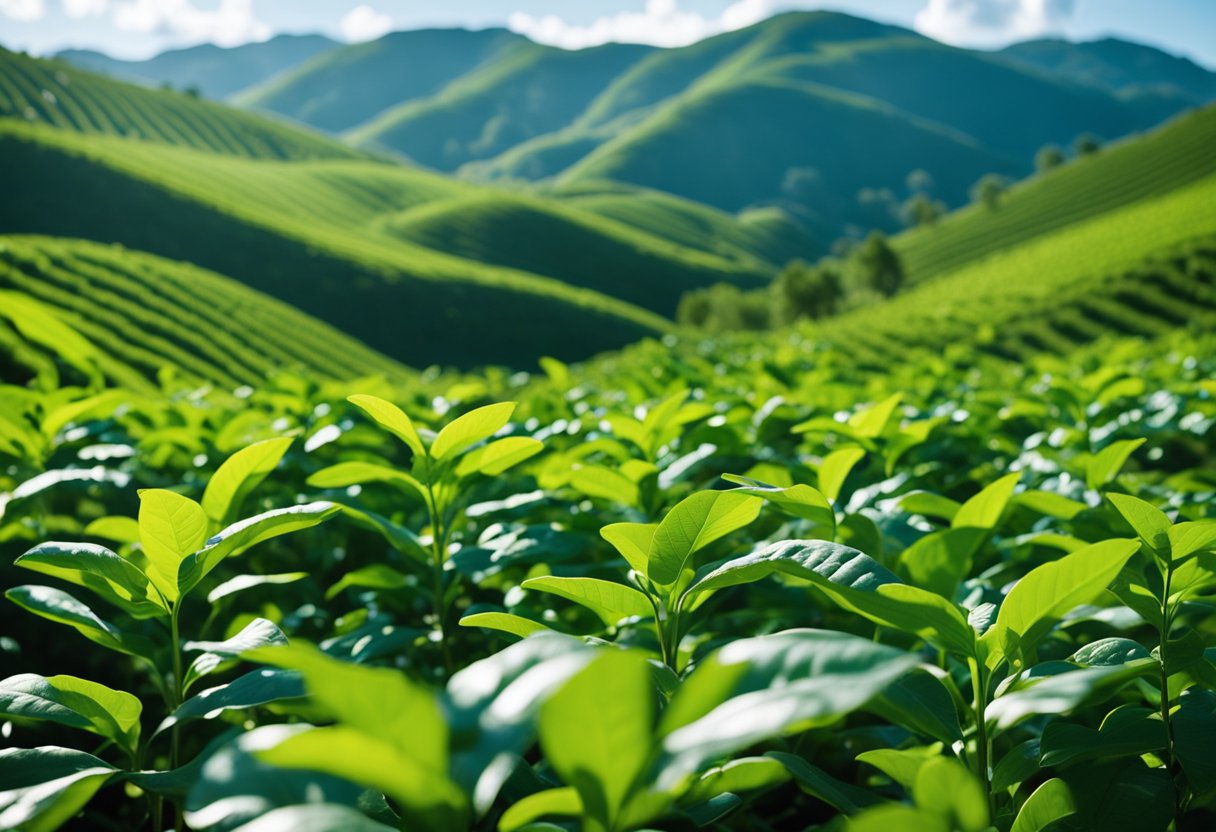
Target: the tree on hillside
pixel 876 266
pixel 1048 157
pixel 1087 144
pixel 805 291
pixel 989 190
pixel 723 308
pixel 920 210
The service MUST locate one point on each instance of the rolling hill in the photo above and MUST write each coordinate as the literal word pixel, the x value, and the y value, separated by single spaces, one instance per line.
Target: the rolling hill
pixel 139 313
pixel 1116 65
pixel 215 71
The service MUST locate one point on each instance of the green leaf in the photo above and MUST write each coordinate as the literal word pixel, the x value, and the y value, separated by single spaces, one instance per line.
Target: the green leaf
pixel 920 702
pixel 692 524
pixel 1065 692
pixel 1125 732
pixel 633 541
pixel 929 504
pixel 1123 796
pixel 243 582
pixel 504 622
pixel 796 500
pixel 945 787
pixel 605 483
pixel 1048 592
pixel 255 688
pixel 1049 803
pixel 984 510
pixel 854 581
pixel 1019 764
pixel 358 473
pixel 892 816
pixel 318 817
pixel 257 633
pixel 471 428
pixel 1108 652
pixel 170 528
pixel 871 422
pixel 822 786
pixel 743 775
pixel 42 788
pixel 611 601
pixel 901 765
pixel 757 688
pixel 563 802
pixel 1191 538
pixel 1152 526
pixel 118 529
pixel 372 576
pixel 76 703
pixel 1050 504
pixel 940 560
pixel 114 578
pixel 835 468
pixel 498 456
pixel 597 729
pixel 1195 737
pixel 1105 465
pixel 238 476
pixel 57 605
pixel 391 418
pixel 249 532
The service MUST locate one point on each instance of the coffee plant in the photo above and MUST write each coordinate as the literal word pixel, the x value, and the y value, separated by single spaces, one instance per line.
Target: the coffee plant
pixel 716 588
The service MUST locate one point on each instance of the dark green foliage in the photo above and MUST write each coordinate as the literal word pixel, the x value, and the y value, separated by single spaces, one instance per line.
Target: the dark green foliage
pixel 989 190
pixel 875 266
pixel 805 291
pixel 1048 158
pixel 921 210
pixel 1087 144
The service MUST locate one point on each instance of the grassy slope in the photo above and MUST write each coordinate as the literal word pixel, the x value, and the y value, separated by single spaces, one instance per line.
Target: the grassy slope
pixel 143 313
pixel 281 229
pixel 216 71
pixel 57 94
pixel 1142 167
pixel 1057 289
pixel 528 91
pixel 353 84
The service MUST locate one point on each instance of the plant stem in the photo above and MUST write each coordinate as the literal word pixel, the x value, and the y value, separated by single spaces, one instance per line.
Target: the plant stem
pixel 175 648
pixel 438 554
pixel 979 689
pixel 1166 622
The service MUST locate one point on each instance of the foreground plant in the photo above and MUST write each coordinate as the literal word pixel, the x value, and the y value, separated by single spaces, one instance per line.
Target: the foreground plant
pixel 180 545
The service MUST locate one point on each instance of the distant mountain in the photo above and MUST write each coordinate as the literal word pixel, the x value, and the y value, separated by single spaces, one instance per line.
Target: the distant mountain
pixel 354 84
pixel 1117 65
pixel 215 71
pixel 820 113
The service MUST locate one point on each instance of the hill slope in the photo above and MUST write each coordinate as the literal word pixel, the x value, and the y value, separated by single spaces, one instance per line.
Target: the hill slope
pixel 215 71
pixel 1173 156
pixel 142 313
pixel 54 93
pixel 1116 65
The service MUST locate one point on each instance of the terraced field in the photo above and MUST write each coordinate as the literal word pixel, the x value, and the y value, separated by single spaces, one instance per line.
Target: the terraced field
pixel 1142 269
pixel 142 313
pixel 57 94
pixel 1179 153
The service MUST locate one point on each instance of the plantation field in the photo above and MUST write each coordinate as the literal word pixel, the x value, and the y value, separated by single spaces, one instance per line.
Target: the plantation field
pixel 1142 269
pixel 1177 154
pixel 57 94
pixel 691 586
pixel 141 313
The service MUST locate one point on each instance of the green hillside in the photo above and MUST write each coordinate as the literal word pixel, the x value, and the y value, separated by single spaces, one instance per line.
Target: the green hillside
pixel 215 71
pixel 1116 65
pixel 1173 156
pixel 527 91
pixel 141 313
pixel 348 86
pixel 1142 269
pixel 57 94
pixel 753 152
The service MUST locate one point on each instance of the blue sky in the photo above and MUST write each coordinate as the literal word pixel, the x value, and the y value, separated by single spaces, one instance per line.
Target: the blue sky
pixel 139 28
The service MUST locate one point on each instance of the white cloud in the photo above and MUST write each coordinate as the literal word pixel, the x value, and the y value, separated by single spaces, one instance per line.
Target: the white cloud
pixel 364 23
pixel 231 23
pixel 24 10
pixel 85 8
pixel 660 23
pixel 992 22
